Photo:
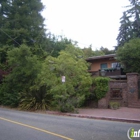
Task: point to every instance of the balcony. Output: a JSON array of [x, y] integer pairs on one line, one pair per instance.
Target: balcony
[[113, 73]]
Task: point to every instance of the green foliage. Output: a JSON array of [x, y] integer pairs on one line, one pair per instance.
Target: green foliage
[[25, 68], [3, 57], [125, 29], [8, 99], [130, 23], [88, 52], [71, 94], [114, 105], [129, 56], [34, 79], [57, 43], [100, 86], [36, 84], [35, 99], [106, 51], [22, 23]]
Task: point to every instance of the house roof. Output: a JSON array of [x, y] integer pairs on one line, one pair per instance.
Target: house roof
[[100, 57]]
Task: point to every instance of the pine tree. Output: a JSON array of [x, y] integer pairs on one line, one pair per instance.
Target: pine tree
[[21, 22], [134, 12], [125, 30], [130, 23], [4, 10]]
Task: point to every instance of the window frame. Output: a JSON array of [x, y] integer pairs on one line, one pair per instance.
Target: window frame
[[103, 66]]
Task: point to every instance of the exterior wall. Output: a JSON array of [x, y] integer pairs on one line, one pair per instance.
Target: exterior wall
[[132, 88], [102, 103], [115, 84], [127, 95], [122, 86], [95, 66]]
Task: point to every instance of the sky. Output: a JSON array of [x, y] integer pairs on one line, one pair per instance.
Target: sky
[[88, 22]]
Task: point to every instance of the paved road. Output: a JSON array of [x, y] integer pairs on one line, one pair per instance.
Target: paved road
[[18, 125]]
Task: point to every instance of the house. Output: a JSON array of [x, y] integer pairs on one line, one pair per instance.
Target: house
[[106, 65], [123, 87]]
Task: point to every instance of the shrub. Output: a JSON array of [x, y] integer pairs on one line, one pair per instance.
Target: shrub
[[9, 99], [114, 105], [35, 99], [100, 86]]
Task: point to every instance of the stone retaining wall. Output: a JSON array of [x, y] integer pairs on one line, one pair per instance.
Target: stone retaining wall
[[123, 91]]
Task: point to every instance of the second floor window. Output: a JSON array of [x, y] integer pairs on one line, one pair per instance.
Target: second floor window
[[103, 66], [115, 65]]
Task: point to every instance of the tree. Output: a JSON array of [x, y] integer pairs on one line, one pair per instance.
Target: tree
[[107, 51], [88, 52], [3, 57], [130, 23], [68, 95], [57, 43], [125, 30], [22, 23], [129, 55], [24, 70]]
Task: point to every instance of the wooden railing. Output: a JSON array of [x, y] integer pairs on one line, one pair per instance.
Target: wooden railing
[[113, 72]]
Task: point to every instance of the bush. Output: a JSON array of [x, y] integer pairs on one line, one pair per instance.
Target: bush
[[114, 105], [67, 108], [100, 86], [35, 99], [9, 99]]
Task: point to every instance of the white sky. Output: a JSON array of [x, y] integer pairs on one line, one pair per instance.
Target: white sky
[[93, 22]]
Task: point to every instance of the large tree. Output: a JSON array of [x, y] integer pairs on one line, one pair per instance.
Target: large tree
[[24, 70], [106, 51], [129, 55], [57, 43], [130, 23], [72, 92], [125, 30], [21, 22], [68, 94]]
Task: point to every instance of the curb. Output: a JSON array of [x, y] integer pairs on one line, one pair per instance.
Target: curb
[[107, 118], [95, 117]]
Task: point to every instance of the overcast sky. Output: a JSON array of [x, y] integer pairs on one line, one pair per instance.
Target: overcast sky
[[93, 22]]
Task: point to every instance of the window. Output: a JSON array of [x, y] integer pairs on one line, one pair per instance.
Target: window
[[115, 65], [104, 65]]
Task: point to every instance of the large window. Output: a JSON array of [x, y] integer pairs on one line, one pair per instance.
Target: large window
[[104, 66], [115, 65]]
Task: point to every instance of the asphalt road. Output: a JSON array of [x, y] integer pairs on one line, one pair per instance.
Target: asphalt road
[[19, 125]]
